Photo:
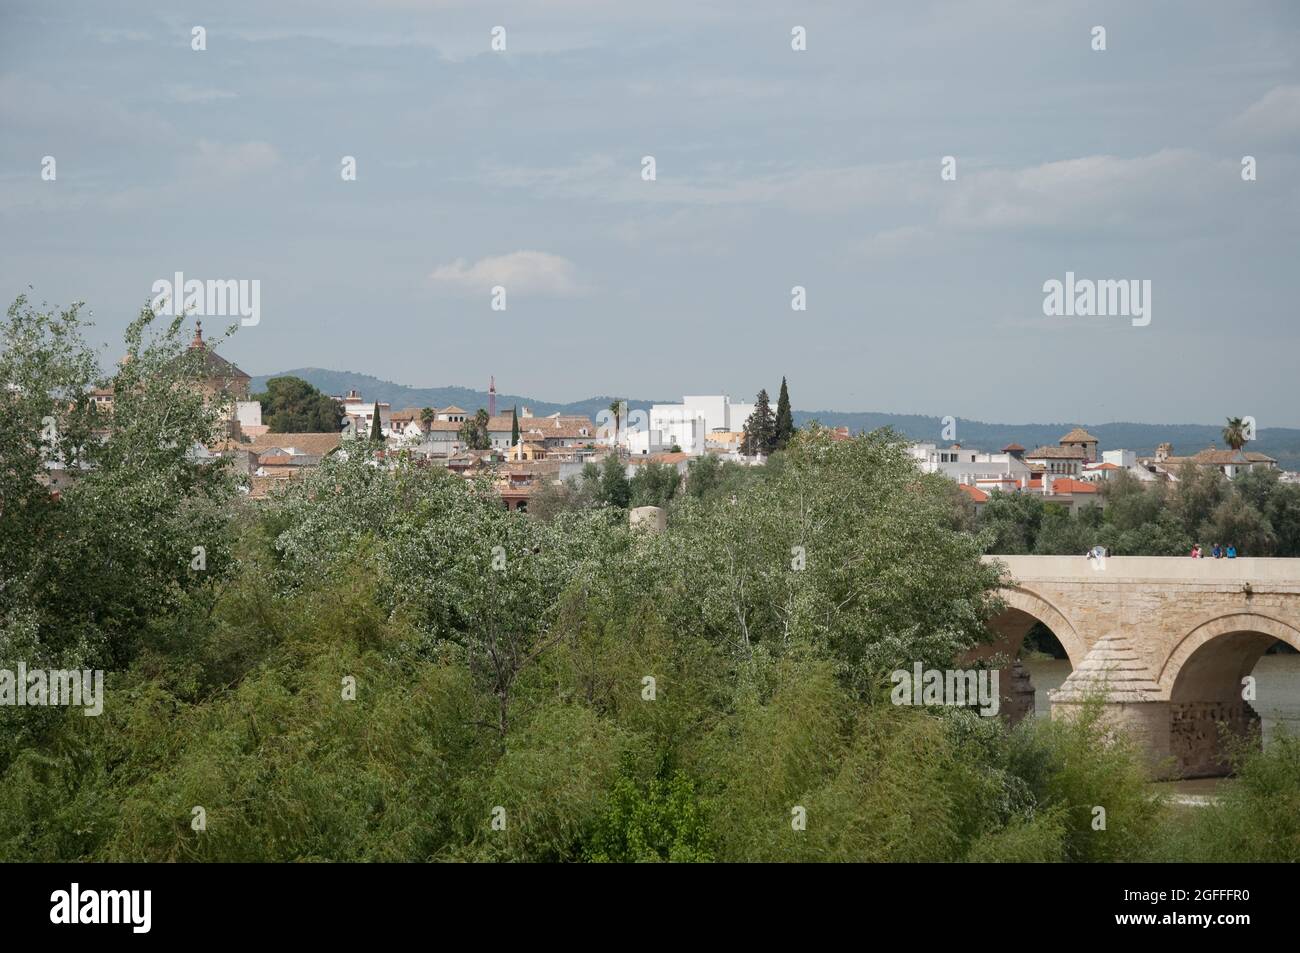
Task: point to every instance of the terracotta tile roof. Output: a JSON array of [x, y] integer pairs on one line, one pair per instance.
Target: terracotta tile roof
[[1063, 485], [670, 458], [312, 443], [565, 428], [1078, 435], [1102, 466], [1056, 453], [1012, 446], [1215, 457], [976, 494]]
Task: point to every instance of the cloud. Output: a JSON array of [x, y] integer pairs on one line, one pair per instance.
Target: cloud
[[40, 109], [192, 94], [1275, 116], [211, 168], [217, 160], [112, 35], [526, 272], [1086, 192], [895, 241], [601, 177]]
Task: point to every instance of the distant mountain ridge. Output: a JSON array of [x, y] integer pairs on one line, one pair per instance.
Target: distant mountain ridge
[[401, 396], [1282, 443]]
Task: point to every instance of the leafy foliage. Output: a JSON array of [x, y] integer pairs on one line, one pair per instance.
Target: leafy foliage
[[291, 405], [1255, 511]]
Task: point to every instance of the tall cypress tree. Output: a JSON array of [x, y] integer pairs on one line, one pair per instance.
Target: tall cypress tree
[[376, 428], [514, 427], [784, 419]]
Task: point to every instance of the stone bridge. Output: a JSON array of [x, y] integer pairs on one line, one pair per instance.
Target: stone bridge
[[1166, 641]]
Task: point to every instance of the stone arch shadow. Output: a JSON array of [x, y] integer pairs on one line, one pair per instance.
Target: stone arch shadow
[[1023, 609], [1230, 624], [1201, 680]]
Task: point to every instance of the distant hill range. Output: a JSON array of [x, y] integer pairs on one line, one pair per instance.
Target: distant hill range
[[1280, 442]]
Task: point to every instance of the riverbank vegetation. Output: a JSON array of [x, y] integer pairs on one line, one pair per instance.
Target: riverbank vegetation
[[382, 663]]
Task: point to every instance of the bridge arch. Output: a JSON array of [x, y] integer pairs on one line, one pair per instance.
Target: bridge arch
[[1264, 629], [1023, 608], [1202, 681]]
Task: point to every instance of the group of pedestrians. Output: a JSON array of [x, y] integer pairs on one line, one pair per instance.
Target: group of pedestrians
[[1217, 551]]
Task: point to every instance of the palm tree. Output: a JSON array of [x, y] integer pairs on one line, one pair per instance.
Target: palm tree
[[616, 408], [426, 417], [1234, 435]]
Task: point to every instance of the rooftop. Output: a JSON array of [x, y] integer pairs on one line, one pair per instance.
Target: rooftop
[[1078, 435]]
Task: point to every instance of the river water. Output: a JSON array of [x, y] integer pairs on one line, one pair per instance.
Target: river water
[[1277, 688]]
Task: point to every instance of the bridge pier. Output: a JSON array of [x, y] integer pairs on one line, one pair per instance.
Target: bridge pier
[[1113, 676], [1196, 738]]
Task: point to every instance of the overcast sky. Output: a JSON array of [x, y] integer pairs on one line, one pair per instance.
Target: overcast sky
[[775, 168]]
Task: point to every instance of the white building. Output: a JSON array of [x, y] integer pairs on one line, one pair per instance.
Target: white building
[[362, 414], [969, 466], [689, 424]]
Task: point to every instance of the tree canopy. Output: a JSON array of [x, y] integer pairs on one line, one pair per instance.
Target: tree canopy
[[291, 405]]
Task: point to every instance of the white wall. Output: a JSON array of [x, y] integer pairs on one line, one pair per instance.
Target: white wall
[[249, 413], [737, 414], [969, 464]]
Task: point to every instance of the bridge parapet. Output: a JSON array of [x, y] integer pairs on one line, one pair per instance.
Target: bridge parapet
[[1257, 570]]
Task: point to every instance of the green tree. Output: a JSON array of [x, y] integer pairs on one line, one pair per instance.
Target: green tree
[[615, 489], [1062, 534], [376, 427], [703, 474], [474, 431], [1235, 522], [86, 581], [1010, 522], [654, 484], [662, 820], [514, 427], [1283, 514], [1197, 494], [760, 428], [427, 416], [784, 418], [292, 405]]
